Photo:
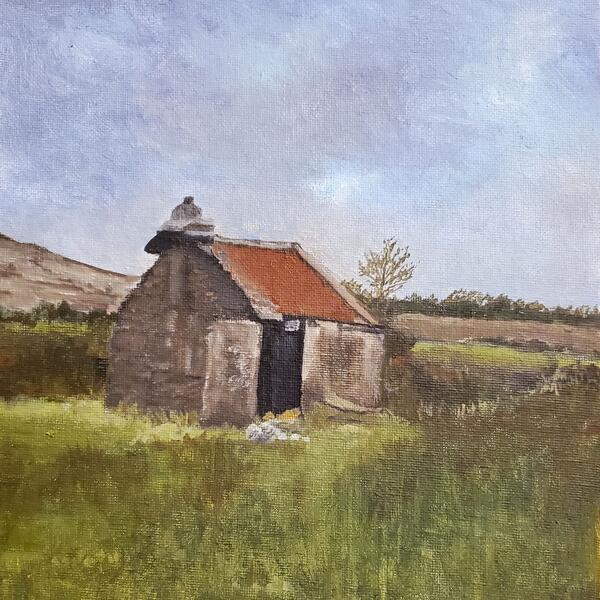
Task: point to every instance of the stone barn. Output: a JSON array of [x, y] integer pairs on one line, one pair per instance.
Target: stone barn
[[231, 329]]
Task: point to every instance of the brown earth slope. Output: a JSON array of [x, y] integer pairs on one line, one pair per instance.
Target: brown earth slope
[[578, 338], [30, 274]]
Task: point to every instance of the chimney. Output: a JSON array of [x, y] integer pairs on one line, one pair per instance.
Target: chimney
[[185, 225]]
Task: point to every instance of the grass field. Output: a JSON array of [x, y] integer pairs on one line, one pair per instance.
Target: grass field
[[103, 505], [495, 356], [580, 339], [46, 328]]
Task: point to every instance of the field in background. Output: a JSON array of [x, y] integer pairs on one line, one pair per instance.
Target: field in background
[[98, 504], [450, 377], [579, 338], [465, 355]]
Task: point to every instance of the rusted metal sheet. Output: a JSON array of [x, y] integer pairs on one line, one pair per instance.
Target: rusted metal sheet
[[280, 275]]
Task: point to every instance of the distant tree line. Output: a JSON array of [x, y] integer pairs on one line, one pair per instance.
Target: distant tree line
[[473, 304], [382, 273], [48, 313]]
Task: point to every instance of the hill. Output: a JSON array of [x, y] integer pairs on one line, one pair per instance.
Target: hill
[[30, 274]]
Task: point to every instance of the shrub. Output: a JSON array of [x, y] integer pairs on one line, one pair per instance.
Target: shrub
[[57, 358], [399, 342]]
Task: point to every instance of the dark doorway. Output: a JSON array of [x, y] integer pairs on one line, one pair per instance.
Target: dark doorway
[[280, 373]]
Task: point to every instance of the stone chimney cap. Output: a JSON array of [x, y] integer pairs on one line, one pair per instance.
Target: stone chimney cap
[[187, 217]]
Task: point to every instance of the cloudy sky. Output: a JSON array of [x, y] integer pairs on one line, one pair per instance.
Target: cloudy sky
[[471, 130]]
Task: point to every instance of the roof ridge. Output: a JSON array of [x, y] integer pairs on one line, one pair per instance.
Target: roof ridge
[[332, 280], [257, 243]]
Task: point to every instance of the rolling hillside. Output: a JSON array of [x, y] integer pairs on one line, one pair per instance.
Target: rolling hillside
[[30, 274]]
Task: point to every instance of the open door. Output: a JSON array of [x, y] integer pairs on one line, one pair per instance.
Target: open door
[[280, 372]]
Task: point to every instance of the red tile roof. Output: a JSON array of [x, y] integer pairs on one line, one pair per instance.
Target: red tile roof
[[281, 276]]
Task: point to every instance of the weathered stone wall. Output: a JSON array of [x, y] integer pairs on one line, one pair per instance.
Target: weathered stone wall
[[159, 351], [342, 365]]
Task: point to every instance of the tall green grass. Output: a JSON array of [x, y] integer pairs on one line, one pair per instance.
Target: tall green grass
[[95, 504], [45, 327]]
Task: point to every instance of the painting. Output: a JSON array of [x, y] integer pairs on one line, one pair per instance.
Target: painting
[[299, 300]]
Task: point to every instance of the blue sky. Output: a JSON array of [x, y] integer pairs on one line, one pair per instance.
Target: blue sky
[[471, 130]]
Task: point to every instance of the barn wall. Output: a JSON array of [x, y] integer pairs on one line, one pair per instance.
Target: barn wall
[[232, 372], [159, 348], [342, 365]]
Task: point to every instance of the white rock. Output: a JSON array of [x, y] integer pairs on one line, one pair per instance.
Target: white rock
[[254, 433], [267, 432]]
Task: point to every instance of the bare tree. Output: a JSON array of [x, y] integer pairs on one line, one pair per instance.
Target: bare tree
[[384, 271]]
